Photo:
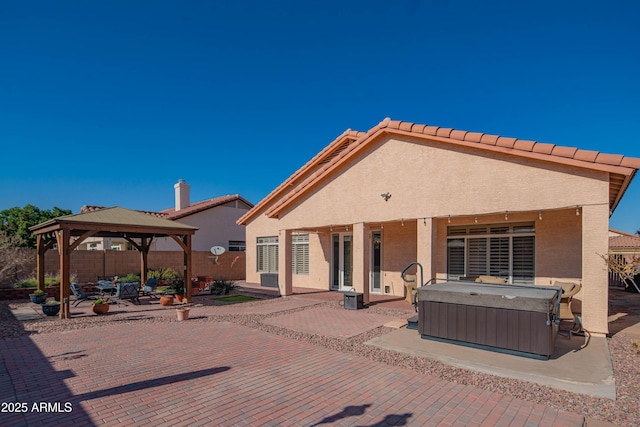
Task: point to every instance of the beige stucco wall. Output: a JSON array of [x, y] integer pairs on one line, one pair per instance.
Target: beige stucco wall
[[428, 184], [431, 181], [215, 228]]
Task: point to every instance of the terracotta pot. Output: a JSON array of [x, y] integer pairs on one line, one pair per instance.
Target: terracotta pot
[[195, 291], [101, 308], [183, 313], [166, 300], [179, 297]]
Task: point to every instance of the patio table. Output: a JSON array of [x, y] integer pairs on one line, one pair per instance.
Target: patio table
[[106, 287]]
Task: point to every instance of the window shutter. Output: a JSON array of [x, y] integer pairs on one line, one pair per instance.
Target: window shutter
[[523, 258], [499, 257], [477, 257], [455, 258]]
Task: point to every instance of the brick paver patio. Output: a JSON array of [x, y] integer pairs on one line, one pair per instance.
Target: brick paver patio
[[329, 321], [204, 372]]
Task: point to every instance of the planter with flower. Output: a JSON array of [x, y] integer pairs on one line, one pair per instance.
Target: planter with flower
[[100, 306], [51, 308], [38, 296]]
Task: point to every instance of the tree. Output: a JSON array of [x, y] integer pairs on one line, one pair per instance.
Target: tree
[[13, 258], [626, 269], [15, 222]]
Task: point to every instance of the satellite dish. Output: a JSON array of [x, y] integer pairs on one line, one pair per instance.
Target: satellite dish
[[217, 250]]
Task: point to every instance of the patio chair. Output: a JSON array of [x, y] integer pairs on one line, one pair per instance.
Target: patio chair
[[149, 288], [81, 295], [126, 291], [569, 289]]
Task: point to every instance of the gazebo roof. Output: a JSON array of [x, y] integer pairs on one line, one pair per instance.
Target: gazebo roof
[[114, 221]]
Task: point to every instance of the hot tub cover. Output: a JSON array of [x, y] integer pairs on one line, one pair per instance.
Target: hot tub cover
[[513, 297]]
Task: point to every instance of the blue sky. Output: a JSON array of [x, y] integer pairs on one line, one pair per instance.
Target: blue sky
[[110, 103]]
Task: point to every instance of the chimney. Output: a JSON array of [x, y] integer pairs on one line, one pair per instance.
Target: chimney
[[182, 194]]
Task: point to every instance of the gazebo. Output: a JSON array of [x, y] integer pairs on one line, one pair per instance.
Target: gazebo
[[138, 228]]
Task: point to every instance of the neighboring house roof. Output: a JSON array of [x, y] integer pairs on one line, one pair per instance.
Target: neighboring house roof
[[621, 169], [204, 205], [172, 214], [623, 240]]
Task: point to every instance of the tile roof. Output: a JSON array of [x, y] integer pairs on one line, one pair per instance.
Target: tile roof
[[621, 168], [623, 240], [196, 207], [172, 214]]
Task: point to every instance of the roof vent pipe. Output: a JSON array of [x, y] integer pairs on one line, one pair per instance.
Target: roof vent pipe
[[182, 194]]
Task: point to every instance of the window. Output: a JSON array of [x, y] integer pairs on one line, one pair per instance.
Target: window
[[506, 251], [300, 253], [237, 246], [115, 247], [267, 254]]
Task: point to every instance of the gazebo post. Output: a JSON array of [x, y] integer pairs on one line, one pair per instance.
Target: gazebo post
[[187, 267], [40, 250], [144, 260], [65, 271]]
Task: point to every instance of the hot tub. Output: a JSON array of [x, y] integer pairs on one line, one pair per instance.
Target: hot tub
[[508, 318]]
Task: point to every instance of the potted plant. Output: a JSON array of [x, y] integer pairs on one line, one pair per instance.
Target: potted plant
[[51, 308], [166, 300], [178, 286], [100, 306], [38, 296]]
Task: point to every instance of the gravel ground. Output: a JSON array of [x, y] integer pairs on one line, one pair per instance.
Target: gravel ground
[[624, 411]]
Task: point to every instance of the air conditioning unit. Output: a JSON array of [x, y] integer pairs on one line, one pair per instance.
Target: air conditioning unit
[[269, 280]]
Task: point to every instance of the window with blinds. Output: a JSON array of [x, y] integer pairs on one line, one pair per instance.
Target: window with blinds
[[267, 254], [237, 245], [506, 251], [300, 253]]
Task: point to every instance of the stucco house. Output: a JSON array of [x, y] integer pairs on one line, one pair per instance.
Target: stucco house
[[215, 219], [459, 203]]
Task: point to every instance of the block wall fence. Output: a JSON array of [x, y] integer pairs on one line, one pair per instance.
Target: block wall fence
[[89, 265]]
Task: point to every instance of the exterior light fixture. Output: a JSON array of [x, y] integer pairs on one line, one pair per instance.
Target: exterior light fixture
[[506, 215], [386, 196], [540, 215], [476, 219], [449, 219], [577, 211]]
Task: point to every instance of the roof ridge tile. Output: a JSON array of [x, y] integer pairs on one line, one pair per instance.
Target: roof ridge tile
[[586, 155], [507, 142]]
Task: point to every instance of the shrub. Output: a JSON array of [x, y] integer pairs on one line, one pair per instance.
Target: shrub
[[162, 273], [38, 292], [129, 278], [222, 286], [32, 282]]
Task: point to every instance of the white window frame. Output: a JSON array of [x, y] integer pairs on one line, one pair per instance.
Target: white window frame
[[300, 254], [267, 254], [484, 248]]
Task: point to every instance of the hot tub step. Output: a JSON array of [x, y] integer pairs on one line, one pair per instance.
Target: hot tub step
[[412, 322]]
